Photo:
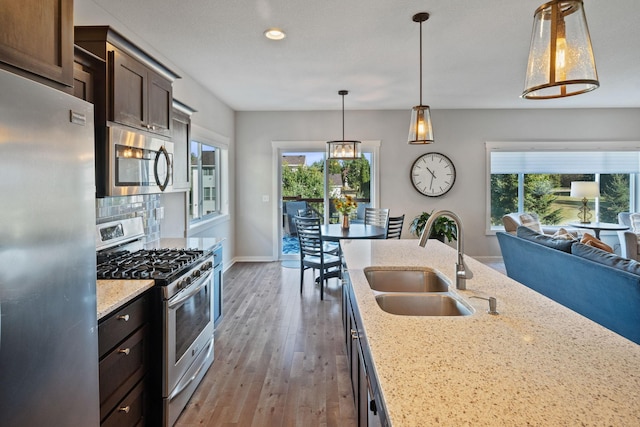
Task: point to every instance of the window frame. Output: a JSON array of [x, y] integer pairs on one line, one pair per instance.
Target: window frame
[[207, 137], [554, 146]]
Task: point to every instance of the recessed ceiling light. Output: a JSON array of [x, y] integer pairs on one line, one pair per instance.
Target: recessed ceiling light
[[274, 34]]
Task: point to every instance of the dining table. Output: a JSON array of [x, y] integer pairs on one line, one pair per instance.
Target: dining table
[[597, 227], [335, 232]]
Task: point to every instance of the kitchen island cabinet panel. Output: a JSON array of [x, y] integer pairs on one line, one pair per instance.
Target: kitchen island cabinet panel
[[36, 40], [535, 363]]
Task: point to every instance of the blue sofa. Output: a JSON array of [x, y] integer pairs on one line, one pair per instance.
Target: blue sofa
[[600, 286]]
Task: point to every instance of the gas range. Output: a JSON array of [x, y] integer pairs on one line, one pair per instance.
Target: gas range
[[120, 256], [157, 264]]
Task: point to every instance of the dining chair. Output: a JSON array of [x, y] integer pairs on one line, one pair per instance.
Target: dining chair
[[376, 216], [312, 253], [394, 230], [330, 247]]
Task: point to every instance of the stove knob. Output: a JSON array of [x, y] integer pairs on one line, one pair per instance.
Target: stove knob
[[186, 282], [196, 274]]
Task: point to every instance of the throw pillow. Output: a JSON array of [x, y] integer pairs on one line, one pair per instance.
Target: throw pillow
[[602, 257], [548, 241], [563, 234], [530, 221], [589, 240]]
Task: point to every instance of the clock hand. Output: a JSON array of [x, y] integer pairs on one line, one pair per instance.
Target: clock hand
[[433, 175]]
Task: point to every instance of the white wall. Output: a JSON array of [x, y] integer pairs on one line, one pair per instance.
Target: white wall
[[460, 134]]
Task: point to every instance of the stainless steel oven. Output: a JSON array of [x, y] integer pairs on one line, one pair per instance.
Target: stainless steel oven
[[131, 163], [188, 336]]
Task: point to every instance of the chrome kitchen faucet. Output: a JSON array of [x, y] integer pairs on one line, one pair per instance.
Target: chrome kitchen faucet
[[462, 271]]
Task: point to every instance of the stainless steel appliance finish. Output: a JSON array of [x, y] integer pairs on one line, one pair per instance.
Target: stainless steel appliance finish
[[188, 336], [185, 280], [48, 333], [130, 163]]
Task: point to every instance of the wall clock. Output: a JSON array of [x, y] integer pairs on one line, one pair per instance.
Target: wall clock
[[433, 174]]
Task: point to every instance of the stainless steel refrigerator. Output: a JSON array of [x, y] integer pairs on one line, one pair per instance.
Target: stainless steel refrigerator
[[48, 326]]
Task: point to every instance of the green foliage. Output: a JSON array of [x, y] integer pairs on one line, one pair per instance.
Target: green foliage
[[539, 196], [614, 190], [504, 196], [443, 227], [304, 181]]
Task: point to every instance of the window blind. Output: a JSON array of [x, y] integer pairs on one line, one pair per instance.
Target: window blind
[[569, 162]]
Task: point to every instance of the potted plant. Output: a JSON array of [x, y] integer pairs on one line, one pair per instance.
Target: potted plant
[[443, 227]]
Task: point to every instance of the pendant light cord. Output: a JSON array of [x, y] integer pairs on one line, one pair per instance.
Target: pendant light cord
[[420, 62]]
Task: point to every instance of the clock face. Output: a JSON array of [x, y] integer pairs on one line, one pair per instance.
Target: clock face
[[433, 174]]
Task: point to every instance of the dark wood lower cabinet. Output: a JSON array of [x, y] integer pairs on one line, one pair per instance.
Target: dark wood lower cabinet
[[368, 406], [127, 387]]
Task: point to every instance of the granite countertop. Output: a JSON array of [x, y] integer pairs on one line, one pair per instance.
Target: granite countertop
[[536, 363], [112, 294]]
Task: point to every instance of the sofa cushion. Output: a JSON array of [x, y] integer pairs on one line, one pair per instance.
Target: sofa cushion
[[530, 221], [606, 258], [589, 240], [563, 234], [529, 234]]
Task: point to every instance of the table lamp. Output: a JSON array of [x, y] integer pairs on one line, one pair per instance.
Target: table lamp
[[586, 190]]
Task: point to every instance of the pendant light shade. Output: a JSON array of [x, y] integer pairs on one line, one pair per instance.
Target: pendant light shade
[[343, 149], [561, 61], [420, 129]]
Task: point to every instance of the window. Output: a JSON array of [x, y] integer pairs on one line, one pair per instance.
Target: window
[[204, 199], [539, 179]]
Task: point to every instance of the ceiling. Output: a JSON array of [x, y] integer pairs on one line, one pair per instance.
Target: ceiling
[[474, 52]]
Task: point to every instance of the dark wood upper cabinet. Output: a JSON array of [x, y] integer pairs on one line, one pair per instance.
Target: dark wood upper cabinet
[[137, 88], [181, 141], [36, 40]]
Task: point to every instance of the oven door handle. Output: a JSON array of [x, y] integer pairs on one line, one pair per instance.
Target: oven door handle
[[173, 303], [185, 383]]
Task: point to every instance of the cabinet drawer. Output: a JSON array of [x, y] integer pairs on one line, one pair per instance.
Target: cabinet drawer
[[122, 368], [130, 411], [122, 323]]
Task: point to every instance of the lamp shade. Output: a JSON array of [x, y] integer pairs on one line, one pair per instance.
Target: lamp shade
[[346, 150], [343, 149], [585, 189], [561, 61], [420, 129]]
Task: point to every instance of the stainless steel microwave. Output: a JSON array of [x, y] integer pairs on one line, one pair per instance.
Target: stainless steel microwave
[[134, 163]]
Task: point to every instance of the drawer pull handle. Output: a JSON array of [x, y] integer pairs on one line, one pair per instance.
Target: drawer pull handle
[[354, 334], [124, 351], [124, 409], [124, 317]]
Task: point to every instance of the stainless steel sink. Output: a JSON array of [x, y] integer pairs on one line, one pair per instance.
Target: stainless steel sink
[[422, 304], [405, 279]]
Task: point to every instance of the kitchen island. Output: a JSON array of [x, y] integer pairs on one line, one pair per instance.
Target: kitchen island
[[536, 363]]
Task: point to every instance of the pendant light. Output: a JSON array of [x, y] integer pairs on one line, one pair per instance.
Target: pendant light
[[561, 60], [343, 149], [420, 129]]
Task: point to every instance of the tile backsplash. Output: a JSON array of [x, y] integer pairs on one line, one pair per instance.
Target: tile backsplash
[[145, 206]]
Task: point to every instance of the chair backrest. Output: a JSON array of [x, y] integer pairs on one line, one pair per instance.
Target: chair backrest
[[394, 230], [309, 212], [376, 216], [309, 236]]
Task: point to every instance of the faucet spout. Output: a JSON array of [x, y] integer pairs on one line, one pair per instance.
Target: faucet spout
[[462, 271]]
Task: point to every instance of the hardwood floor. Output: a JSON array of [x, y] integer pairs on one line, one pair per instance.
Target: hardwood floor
[[279, 355]]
